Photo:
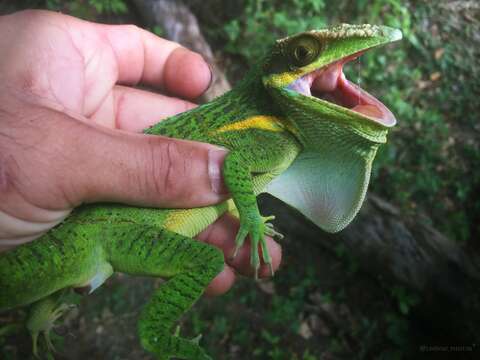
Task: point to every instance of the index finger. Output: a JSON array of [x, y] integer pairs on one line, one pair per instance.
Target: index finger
[[143, 57]]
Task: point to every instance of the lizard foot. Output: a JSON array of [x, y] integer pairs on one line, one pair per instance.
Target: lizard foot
[[43, 315], [195, 340], [189, 349], [178, 347], [257, 231]]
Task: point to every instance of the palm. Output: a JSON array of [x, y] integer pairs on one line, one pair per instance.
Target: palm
[[76, 70], [83, 69]]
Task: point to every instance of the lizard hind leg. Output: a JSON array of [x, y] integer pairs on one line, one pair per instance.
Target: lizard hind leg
[[189, 265], [169, 303]]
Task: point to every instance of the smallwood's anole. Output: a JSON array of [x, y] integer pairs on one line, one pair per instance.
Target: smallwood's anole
[[295, 127]]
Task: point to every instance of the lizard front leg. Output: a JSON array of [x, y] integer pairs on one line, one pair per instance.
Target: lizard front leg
[[237, 171]]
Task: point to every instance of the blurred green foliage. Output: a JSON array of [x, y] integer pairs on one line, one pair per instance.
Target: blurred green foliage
[[263, 22], [86, 9], [83, 8]]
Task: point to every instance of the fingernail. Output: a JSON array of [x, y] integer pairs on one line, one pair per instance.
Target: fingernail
[[210, 68], [215, 164]]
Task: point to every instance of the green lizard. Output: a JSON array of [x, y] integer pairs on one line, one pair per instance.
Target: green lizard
[[295, 127]]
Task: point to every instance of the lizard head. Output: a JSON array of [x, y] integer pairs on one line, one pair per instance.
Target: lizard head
[[339, 125], [307, 70]]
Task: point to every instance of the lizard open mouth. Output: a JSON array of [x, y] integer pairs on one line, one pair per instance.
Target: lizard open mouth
[[330, 84]]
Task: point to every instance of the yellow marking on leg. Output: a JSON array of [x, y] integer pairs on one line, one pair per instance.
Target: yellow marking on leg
[[189, 222]]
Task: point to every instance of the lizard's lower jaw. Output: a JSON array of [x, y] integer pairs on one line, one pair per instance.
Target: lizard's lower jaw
[[330, 84]]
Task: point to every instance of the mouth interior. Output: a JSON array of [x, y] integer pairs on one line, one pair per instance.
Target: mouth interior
[[330, 84]]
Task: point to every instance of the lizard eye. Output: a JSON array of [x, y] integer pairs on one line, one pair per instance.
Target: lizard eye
[[303, 50]]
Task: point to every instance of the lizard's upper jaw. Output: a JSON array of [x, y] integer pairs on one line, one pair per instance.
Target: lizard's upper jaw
[[330, 84]]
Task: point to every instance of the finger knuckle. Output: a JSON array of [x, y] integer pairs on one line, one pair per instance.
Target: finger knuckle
[[131, 28], [167, 170], [7, 173]]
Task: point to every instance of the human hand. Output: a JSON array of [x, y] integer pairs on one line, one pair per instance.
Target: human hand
[[68, 118]]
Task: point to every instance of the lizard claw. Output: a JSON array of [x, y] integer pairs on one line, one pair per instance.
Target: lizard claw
[[270, 231], [196, 339], [177, 331], [270, 266]]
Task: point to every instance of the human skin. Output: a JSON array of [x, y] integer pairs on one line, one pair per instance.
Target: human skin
[[70, 115]]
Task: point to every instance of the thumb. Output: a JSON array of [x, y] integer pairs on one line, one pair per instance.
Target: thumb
[[143, 169]]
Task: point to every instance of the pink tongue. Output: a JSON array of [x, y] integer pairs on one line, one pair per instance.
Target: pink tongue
[[327, 81], [368, 110]]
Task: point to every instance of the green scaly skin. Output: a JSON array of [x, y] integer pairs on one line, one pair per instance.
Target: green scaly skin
[[265, 127]]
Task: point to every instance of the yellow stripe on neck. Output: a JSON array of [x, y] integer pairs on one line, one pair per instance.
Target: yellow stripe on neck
[[262, 122]]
